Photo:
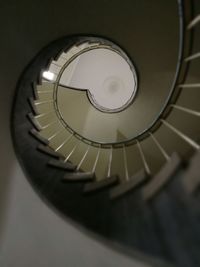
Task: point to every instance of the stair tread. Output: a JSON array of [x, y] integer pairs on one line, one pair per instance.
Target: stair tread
[[100, 185], [40, 138], [34, 122], [78, 176], [32, 104], [61, 164], [49, 151], [127, 186], [35, 92], [161, 178]]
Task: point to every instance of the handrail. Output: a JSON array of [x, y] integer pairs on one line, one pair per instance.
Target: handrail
[[165, 110]]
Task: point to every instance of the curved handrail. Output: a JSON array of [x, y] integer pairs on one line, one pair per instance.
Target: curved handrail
[[166, 108]]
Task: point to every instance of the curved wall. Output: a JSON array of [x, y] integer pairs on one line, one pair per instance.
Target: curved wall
[[31, 234]]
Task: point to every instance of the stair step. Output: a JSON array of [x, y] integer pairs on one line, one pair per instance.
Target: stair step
[[34, 122], [49, 151], [78, 177], [35, 92], [100, 185], [40, 138], [32, 104], [61, 164], [191, 176], [127, 186], [161, 178]]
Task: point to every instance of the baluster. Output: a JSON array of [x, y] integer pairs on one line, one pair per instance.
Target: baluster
[[103, 183], [43, 102], [187, 110], [83, 158], [181, 135], [130, 183], [146, 167], [190, 85], [194, 22], [125, 163], [55, 134], [192, 57], [110, 162], [163, 175], [43, 114], [51, 123], [163, 152], [96, 160], [72, 151], [65, 142]]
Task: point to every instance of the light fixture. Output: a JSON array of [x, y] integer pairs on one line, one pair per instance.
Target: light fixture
[[48, 75]]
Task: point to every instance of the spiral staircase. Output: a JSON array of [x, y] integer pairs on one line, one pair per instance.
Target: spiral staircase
[[131, 175]]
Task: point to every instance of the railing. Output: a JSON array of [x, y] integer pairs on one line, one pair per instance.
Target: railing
[[184, 36], [184, 58]]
